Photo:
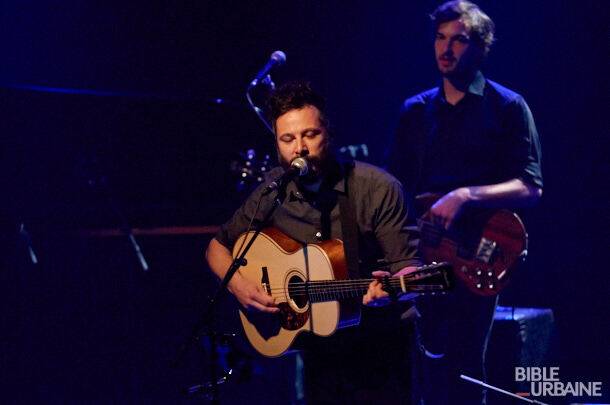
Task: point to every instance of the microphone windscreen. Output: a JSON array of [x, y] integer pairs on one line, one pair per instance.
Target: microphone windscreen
[[300, 164], [279, 57]]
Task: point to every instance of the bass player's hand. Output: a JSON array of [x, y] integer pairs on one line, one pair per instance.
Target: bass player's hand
[[448, 208]]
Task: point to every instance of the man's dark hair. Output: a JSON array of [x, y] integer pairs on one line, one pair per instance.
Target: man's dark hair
[[481, 27], [293, 96]]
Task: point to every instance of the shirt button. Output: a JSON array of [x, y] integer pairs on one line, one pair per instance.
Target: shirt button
[[318, 235]]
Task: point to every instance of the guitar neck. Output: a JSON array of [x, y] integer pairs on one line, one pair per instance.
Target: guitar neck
[[337, 290]]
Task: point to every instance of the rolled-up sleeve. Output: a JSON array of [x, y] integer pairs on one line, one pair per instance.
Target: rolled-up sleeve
[[524, 149]]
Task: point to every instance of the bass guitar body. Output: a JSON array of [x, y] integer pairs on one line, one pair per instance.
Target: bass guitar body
[[483, 245]]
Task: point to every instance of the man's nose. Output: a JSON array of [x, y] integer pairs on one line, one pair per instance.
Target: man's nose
[[449, 48], [301, 149]]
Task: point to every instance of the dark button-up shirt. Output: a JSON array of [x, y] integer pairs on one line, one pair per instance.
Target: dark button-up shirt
[[378, 202], [488, 137]]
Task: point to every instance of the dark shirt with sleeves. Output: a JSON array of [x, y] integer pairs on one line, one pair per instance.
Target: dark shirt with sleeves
[[488, 137], [379, 206], [337, 369]]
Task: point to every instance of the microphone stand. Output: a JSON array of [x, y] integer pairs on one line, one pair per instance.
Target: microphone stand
[[210, 389], [95, 177], [259, 111], [207, 322], [125, 226]]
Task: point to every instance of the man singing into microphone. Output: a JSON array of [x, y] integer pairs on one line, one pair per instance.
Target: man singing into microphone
[[368, 363]]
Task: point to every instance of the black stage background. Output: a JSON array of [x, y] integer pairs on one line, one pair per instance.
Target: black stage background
[[98, 93]]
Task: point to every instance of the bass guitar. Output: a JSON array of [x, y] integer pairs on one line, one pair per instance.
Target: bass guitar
[[483, 245]]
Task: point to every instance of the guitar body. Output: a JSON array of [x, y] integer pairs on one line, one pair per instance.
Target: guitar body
[[484, 246], [281, 265]]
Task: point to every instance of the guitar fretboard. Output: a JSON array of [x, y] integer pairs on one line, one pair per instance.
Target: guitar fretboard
[[337, 290]]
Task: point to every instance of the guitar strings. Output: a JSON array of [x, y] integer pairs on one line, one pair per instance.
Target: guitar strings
[[337, 289], [326, 284], [336, 297], [328, 294], [395, 280], [293, 293], [326, 288], [343, 289]]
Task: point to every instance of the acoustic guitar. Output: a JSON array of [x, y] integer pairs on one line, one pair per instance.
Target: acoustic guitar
[[483, 245], [311, 287]]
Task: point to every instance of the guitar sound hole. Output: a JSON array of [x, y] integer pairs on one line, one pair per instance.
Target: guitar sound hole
[[297, 292]]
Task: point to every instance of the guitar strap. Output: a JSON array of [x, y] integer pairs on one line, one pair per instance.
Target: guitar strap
[[349, 226]]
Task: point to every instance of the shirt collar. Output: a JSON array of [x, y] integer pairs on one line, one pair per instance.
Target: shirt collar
[[476, 87], [340, 178], [478, 84], [340, 172], [293, 192]]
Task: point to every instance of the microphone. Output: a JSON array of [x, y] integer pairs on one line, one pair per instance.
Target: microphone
[[278, 58], [298, 167]]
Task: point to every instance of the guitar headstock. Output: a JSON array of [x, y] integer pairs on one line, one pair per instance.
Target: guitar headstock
[[434, 278]]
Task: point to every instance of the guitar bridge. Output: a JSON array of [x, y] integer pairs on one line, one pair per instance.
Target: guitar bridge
[[265, 280]]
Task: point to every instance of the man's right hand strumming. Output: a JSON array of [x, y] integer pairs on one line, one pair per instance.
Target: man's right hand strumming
[[251, 295]]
